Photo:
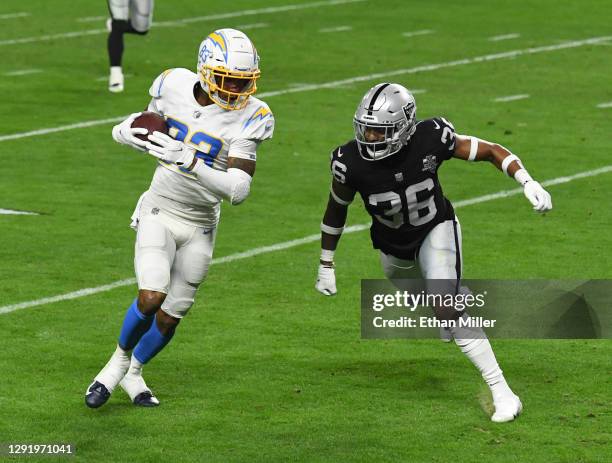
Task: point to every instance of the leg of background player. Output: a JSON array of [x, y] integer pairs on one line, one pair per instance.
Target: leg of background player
[[128, 17], [115, 52]]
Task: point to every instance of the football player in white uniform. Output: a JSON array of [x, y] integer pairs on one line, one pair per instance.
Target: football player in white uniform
[[215, 126], [393, 163], [127, 17]]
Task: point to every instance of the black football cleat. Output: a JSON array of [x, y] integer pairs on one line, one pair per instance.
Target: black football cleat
[[96, 395], [146, 399]]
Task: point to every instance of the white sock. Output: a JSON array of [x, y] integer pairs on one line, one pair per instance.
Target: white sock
[[116, 72], [115, 369], [135, 367], [474, 344]]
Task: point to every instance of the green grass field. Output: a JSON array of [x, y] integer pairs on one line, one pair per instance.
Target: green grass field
[[265, 368]]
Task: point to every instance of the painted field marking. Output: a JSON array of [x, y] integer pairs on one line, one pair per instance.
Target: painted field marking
[[504, 99], [13, 212], [293, 243], [415, 33], [605, 105], [244, 27], [89, 19], [336, 29], [497, 38], [43, 38], [78, 125], [22, 72], [14, 15], [99, 79], [234, 14], [339, 83]]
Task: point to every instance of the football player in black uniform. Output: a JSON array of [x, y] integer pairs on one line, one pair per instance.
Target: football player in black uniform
[[127, 17], [393, 163]]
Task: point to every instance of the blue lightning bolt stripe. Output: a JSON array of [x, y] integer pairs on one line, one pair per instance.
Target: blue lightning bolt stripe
[[260, 114], [219, 40]]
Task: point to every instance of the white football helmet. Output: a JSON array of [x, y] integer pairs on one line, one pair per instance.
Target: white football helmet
[[388, 109], [228, 54]]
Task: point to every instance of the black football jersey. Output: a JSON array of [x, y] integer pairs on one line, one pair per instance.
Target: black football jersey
[[402, 192]]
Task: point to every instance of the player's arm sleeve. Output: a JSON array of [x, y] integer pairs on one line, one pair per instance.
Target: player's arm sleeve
[[157, 90], [341, 195], [444, 135], [244, 148], [233, 185]]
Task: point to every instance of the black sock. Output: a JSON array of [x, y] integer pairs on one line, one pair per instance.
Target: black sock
[[115, 41]]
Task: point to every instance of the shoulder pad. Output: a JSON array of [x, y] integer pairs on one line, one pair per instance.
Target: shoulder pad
[[340, 161], [167, 79], [442, 134], [259, 123]]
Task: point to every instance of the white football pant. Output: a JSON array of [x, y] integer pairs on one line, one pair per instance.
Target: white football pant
[[171, 257], [439, 256]]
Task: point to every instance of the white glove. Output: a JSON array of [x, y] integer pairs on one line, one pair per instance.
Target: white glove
[[326, 280], [538, 196], [168, 149], [124, 133]]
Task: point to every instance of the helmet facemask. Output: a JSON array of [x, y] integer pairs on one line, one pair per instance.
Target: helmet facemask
[[395, 137], [214, 79]]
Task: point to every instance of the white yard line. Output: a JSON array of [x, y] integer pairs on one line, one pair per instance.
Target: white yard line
[[22, 72], [14, 15], [78, 125], [292, 243], [246, 27], [12, 212], [44, 38], [497, 38], [416, 33], [605, 105], [89, 19], [336, 29], [233, 14], [338, 83], [504, 99]]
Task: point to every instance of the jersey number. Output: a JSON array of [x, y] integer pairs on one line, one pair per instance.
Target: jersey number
[[418, 212], [207, 146]]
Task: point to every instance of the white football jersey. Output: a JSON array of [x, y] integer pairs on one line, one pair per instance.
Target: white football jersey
[[215, 132]]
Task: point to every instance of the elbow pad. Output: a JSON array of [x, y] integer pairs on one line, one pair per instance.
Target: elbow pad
[[241, 186]]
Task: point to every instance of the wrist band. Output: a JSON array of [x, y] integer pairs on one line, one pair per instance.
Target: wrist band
[[508, 160], [327, 255], [522, 176]]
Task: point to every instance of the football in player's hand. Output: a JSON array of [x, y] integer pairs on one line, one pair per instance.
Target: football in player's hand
[[151, 121]]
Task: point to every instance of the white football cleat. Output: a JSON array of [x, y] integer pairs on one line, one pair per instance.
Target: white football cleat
[[115, 80], [134, 384], [507, 409]]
